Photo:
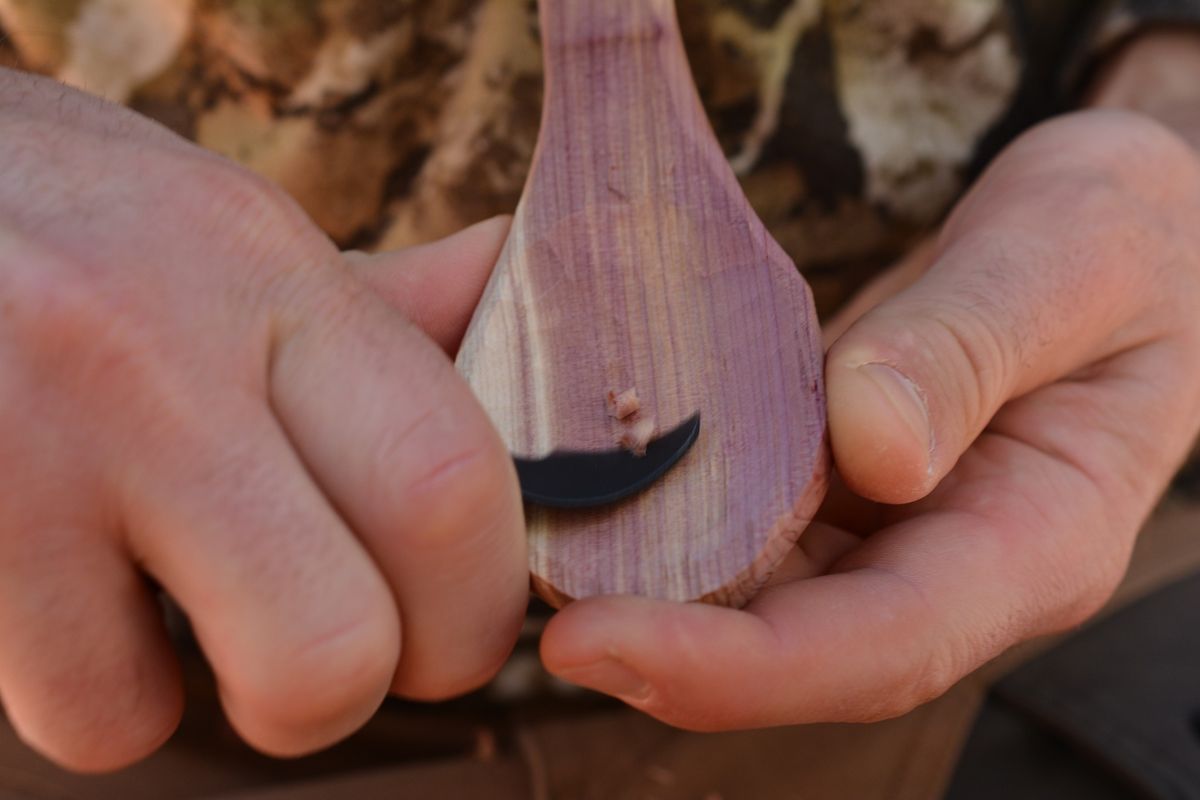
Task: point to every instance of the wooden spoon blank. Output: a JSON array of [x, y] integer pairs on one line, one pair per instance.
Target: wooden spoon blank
[[636, 261]]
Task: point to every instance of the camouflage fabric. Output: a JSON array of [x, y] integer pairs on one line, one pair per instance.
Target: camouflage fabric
[[853, 124]]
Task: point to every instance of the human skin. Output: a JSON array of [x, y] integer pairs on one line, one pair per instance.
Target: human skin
[[1005, 408], [196, 386]]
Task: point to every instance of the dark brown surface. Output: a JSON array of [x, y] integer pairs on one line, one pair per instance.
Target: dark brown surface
[[1110, 714]]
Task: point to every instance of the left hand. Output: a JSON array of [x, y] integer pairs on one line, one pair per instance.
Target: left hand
[[1007, 406]]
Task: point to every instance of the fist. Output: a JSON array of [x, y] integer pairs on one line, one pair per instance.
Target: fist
[[198, 391]]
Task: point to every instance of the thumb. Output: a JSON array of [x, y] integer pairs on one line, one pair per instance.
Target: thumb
[[1036, 275], [437, 285], [916, 379]]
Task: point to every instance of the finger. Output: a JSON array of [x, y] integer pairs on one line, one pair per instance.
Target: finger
[[891, 282], [299, 626], [402, 446], [920, 605], [821, 546], [993, 556], [87, 675], [437, 285], [1031, 281], [708, 668], [1151, 74]]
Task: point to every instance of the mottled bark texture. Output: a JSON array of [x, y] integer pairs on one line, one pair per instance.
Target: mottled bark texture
[[851, 123]]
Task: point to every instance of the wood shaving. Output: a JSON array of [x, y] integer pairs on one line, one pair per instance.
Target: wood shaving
[[638, 435], [622, 405]]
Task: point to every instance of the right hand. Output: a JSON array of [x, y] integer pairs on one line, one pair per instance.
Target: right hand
[[197, 387]]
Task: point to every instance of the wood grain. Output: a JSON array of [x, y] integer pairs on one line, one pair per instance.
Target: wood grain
[[636, 261]]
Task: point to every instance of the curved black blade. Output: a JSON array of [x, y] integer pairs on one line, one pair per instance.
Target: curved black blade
[[567, 479]]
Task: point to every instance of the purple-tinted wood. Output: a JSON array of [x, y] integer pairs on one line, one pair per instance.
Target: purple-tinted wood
[[636, 261]]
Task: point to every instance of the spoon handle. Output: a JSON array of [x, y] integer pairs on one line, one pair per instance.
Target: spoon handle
[[622, 117]]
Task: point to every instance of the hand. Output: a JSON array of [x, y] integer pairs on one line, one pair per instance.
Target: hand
[[196, 386], [1006, 408], [1155, 73]]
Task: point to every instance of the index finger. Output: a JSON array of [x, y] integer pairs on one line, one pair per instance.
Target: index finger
[[1022, 539], [395, 437]]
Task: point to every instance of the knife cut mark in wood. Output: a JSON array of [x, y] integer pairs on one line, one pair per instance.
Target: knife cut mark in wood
[[635, 260]]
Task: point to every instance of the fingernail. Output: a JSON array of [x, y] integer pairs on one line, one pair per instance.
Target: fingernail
[[611, 677], [905, 399]]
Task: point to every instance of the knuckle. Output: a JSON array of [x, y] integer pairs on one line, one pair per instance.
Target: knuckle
[[1103, 177], [982, 357], [317, 683], [451, 680], [244, 211], [442, 665], [99, 724], [887, 708], [1118, 148], [457, 478], [52, 320], [959, 352], [1141, 152], [71, 319], [1090, 595], [353, 664], [454, 481], [113, 746], [1084, 608], [79, 326], [230, 189], [912, 688]]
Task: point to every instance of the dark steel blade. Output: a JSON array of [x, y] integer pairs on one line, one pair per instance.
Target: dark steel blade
[[570, 479]]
